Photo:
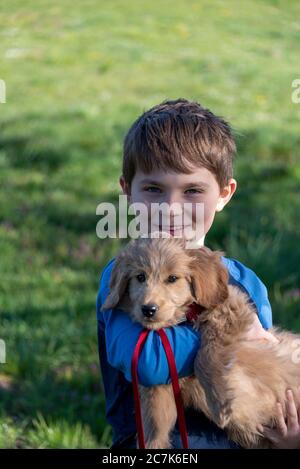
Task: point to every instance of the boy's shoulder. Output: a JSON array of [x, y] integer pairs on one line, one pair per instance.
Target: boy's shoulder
[[104, 279], [248, 281], [243, 274], [106, 271], [239, 270]]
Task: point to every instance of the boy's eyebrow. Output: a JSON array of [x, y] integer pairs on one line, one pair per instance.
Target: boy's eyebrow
[[188, 184]]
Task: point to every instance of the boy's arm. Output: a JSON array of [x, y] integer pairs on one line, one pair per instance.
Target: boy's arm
[[121, 335]]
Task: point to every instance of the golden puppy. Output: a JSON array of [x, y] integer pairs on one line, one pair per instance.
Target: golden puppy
[[237, 382]]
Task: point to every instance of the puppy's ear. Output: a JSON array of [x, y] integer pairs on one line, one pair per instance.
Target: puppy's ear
[[117, 296], [209, 278]]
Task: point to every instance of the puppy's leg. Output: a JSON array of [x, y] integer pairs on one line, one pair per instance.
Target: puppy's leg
[[211, 373], [159, 415]]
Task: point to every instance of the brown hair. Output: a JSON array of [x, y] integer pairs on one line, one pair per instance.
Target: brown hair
[[175, 133]]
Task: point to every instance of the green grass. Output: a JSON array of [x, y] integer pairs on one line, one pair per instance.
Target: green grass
[[77, 75]]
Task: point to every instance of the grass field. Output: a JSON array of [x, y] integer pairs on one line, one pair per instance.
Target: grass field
[[77, 75]]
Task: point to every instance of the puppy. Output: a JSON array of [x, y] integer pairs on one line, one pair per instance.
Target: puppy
[[237, 382]]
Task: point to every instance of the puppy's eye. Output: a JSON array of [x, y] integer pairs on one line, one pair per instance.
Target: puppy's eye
[[141, 278], [172, 278]]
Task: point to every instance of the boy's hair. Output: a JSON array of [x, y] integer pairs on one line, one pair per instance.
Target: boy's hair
[[175, 133]]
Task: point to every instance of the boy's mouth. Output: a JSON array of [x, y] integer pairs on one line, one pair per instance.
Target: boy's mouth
[[173, 228]]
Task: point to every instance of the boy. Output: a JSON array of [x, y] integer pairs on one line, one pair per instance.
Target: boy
[[176, 152]]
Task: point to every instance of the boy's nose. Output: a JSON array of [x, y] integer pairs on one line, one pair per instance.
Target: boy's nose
[[149, 310]]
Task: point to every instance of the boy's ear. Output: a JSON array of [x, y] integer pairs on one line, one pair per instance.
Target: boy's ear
[[209, 278], [118, 296]]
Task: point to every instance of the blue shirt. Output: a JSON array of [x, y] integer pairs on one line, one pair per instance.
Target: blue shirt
[[118, 335]]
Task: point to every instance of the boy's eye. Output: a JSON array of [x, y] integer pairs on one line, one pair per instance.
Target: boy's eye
[[195, 191], [172, 278], [152, 189], [141, 278]]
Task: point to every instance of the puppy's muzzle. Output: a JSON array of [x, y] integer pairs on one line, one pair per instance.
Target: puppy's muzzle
[[149, 310]]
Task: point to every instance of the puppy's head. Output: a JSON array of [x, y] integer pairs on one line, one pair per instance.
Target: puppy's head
[[150, 281], [155, 279]]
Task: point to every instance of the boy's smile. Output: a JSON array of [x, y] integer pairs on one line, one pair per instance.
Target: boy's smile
[[198, 187]]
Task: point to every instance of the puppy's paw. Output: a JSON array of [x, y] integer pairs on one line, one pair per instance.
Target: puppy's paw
[[221, 413], [225, 415]]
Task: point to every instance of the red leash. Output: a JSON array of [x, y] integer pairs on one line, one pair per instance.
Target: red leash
[[193, 311], [176, 388], [137, 403], [175, 385]]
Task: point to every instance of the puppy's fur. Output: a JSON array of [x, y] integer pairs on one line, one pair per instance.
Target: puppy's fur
[[237, 382]]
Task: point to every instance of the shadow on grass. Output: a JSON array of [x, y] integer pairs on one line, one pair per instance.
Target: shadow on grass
[[57, 396], [23, 152], [53, 370]]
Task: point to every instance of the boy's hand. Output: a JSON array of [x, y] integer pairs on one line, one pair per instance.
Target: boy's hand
[[286, 435], [257, 331]]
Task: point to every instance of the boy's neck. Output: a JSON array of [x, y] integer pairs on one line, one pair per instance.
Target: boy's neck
[[199, 242]]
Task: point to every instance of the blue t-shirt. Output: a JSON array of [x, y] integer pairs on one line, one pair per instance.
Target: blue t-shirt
[[118, 335]]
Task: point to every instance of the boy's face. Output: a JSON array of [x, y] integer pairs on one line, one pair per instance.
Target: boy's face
[[200, 186]]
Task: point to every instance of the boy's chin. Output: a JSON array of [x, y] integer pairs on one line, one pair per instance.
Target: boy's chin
[[187, 234], [167, 233]]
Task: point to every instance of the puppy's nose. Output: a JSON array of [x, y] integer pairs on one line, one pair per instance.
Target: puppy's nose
[[149, 310]]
